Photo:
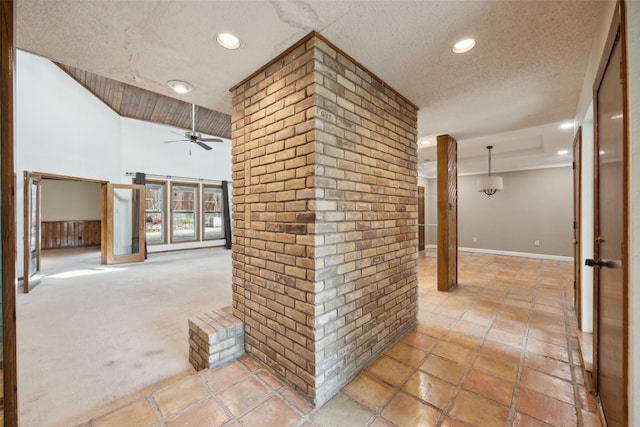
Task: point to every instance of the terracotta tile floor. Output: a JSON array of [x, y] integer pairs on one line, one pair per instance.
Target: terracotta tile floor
[[500, 350]]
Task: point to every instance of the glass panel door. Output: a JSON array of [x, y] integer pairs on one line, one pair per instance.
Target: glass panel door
[[212, 207], [184, 202], [123, 223], [31, 232], [155, 207]]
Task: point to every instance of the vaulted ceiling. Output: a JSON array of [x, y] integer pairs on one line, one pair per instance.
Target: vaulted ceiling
[[512, 91], [137, 103]]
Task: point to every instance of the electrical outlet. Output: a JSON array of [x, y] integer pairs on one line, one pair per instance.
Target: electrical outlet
[[475, 240], [536, 242]]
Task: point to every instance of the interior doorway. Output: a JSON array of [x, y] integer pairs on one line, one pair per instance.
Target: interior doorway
[[60, 212]]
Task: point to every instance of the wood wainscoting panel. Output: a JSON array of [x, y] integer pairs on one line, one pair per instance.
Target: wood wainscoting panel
[[70, 234]]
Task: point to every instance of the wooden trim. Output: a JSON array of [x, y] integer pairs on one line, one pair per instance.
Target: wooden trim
[[8, 184], [614, 32], [421, 218], [202, 227], [315, 34], [107, 249], [577, 225], [165, 225], [227, 215], [44, 175], [26, 229], [104, 224], [596, 284], [625, 205]]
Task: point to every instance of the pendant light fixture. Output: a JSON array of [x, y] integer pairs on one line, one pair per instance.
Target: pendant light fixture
[[489, 184]]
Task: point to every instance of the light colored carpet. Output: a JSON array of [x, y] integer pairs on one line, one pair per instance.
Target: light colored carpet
[[91, 337]]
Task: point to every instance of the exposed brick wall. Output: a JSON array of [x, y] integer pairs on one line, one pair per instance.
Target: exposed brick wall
[[324, 216]]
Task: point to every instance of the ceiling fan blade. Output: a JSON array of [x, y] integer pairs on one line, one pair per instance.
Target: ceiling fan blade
[[203, 145], [193, 135]]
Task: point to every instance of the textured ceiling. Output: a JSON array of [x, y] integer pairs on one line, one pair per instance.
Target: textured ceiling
[[521, 80]]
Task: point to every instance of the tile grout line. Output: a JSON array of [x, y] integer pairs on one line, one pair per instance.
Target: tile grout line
[[445, 411], [397, 390], [213, 394], [576, 397], [514, 399], [156, 410], [378, 412]]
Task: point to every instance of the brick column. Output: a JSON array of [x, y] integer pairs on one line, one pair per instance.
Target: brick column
[[324, 216]]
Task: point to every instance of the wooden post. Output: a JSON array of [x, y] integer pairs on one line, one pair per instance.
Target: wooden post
[[7, 181], [447, 213]]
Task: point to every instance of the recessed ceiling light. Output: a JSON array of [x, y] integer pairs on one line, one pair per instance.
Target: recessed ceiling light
[[568, 125], [179, 86], [563, 152], [464, 46], [228, 41]]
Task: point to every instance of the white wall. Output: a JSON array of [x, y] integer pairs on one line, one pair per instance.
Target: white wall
[[586, 231], [62, 129], [633, 56], [143, 150], [70, 200]]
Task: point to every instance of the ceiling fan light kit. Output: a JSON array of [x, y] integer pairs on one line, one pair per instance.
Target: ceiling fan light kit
[[489, 184]]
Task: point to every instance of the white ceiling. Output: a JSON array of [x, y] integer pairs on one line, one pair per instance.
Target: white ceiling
[[512, 91]]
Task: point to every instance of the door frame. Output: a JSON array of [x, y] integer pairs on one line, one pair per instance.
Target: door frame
[[617, 30], [421, 218], [8, 218], [577, 225], [27, 229], [25, 208]]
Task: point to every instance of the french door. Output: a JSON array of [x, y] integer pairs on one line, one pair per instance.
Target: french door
[[32, 219], [122, 223]]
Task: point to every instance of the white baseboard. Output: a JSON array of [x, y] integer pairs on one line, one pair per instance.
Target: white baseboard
[[509, 253], [518, 254]]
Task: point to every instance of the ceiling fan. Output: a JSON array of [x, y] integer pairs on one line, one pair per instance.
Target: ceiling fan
[[193, 136]]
